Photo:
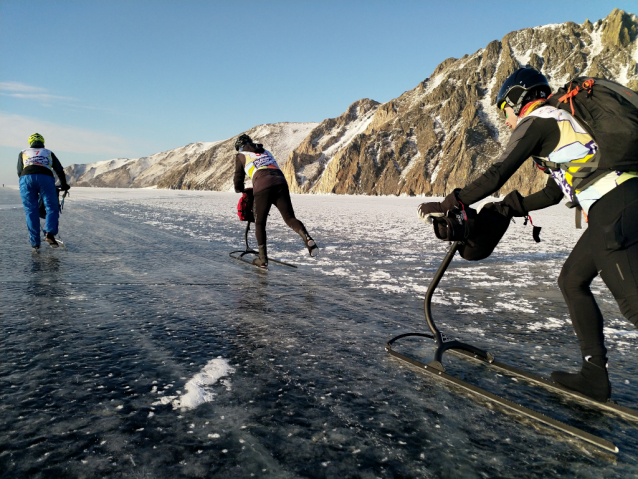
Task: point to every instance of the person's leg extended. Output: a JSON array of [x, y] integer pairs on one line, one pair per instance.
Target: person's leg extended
[[284, 205], [50, 199], [575, 278], [614, 223], [29, 192], [610, 245]]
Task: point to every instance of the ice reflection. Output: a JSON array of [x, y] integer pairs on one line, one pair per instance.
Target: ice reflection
[[99, 341]]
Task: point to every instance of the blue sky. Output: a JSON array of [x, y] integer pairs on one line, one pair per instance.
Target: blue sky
[[108, 79]]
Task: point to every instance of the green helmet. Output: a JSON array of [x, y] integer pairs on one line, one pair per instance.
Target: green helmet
[[36, 137]]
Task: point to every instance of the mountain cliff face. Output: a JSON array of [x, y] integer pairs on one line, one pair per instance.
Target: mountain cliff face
[[445, 132], [200, 166], [308, 161], [439, 136]]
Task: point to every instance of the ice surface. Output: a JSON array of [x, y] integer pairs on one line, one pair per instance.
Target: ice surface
[[283, 373]]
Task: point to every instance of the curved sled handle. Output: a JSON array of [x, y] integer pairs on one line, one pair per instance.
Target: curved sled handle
[[433, 284], [444, 343]]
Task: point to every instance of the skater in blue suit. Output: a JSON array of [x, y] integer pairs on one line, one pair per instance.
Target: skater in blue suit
[[36, 165]]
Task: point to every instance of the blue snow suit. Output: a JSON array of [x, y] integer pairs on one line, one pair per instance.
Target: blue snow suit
[[37, 180]]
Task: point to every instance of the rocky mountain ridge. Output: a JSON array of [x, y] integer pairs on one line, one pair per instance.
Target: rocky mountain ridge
[[137, 172], [436, 137], [199, 166], [445, 132]]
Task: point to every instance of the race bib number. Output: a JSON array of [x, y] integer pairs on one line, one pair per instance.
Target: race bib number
[[37, 157], [264, 161]]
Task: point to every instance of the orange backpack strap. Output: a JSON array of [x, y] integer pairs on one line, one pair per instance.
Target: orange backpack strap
[[569, 95]]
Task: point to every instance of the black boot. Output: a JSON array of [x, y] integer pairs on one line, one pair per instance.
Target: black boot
[[49, 238], [262, 261], [592, 380], [310, 243]]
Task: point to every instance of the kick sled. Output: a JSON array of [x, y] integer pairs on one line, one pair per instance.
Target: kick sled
[[444, 344], [249, 254]]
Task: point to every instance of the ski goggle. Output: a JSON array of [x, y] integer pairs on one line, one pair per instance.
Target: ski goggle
[[503, 105]]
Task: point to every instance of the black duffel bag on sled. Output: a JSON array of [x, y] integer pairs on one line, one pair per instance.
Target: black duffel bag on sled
[[479, 231]]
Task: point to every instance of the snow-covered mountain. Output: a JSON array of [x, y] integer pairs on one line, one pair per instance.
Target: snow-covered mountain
[[213, 169], [203, 165], [436, 137], [445, 132], [86, 172], [138, 172]]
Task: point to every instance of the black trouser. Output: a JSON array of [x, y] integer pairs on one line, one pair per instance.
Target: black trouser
[[279, 196], [608, 247]]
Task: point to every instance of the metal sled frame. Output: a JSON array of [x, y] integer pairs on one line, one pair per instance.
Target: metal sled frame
[[239, 254], [435, 368]]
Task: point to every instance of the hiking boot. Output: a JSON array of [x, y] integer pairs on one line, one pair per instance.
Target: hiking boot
[[49, 238], [310, 244], [262, 261], [592, 380]]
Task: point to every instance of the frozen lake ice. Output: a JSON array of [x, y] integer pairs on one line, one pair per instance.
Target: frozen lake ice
[[145, 351]]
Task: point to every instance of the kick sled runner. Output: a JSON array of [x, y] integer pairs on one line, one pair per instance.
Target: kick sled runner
[[245, 213], [443, 344], [247, 255]]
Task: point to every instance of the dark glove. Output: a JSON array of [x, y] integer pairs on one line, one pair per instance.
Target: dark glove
[[512, 205], [65, 187], [428, 211]]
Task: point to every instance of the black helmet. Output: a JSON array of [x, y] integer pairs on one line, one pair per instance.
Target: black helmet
[[243, 139], [521, 87]]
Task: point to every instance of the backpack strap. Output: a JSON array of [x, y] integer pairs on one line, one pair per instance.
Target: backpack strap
[[578, 212], [585, 169], [579, 217], [629, 95]]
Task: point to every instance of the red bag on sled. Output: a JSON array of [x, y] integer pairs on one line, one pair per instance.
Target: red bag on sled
[[245, 206]]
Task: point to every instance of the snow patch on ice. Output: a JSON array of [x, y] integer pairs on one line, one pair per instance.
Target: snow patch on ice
[[514, 307], [620, 333], [197, 388], [550, 323]]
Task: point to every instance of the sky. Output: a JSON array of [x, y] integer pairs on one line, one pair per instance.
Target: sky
[[126, 79]]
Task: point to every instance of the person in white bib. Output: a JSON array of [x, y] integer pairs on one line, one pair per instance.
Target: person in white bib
[[269, 188], [36, 167]]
